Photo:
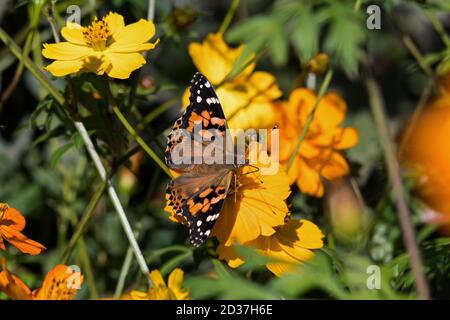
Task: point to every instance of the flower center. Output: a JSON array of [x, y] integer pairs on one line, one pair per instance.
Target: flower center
[[97, 34], [3, 208]]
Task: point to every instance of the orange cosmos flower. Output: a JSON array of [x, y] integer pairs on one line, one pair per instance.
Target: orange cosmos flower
[[160, 290], [290, 245], [12, 222], [319, 155], [247, 99], [61, 283]]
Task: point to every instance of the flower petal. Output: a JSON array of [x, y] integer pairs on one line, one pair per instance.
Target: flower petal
[[115, 22], [20, 241], [14, 219], [122, 64], [228, 254], [12, 286], [215, 59], [65, 51], [174, 283], [132, 35], [308, 180], [73, 33], [60, 283], [157, 278], [333, 166], [62, 68]]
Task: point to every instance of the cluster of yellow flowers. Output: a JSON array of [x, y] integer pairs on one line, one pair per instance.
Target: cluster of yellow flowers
[[259, 216]]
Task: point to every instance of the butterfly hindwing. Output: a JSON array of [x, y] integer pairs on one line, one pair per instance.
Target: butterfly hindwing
[[199, 199]]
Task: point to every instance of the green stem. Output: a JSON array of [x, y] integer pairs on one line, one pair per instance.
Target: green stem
[[35, 71], [229, 16], [357, 6], [34, 15], [322, 90], [80, 229], [133, 132], [155, 113], [87, 268], [409, 235], [438, 27], [415, 52], [123, 273]]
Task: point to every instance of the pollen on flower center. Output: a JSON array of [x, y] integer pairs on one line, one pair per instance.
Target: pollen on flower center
[[97, 34]]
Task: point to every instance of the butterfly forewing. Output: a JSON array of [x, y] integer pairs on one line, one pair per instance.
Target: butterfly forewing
[[199, 192]]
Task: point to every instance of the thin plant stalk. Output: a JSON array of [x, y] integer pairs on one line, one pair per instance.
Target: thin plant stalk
[[322, 90], [229, 16], [133, 132], [409, 235]]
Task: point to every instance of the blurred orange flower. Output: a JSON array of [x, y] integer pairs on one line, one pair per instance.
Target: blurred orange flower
[[161, 291], [12, 222], [290, 245], [247, 98], [319, 155], [425, 153], [60, 283]]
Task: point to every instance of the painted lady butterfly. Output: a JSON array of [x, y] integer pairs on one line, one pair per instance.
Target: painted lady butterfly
[[198, 193]]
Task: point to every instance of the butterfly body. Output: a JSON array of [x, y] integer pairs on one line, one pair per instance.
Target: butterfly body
[[197, 195]]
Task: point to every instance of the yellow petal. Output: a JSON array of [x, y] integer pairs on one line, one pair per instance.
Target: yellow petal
[[122, 64], [228, 254], [132, 35], [65, 51], [73, 33], [157, 278], [61, 68], [115, 22], [134, 48], [96, 64], [175, 281], [215, 59]]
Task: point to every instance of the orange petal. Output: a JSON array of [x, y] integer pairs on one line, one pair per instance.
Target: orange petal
[[14, 219], [20, 241], [12, 286], [309, 180], [334, 166], [61, 283]]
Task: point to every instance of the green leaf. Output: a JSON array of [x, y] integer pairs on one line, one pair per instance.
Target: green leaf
[[59, 153], [305, 35]]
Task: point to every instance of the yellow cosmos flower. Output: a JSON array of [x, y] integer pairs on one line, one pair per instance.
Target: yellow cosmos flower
[[290, 245], [60, 283], [161, 291], [247, 99], [106, 46], [255, 208], [320, 153]]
